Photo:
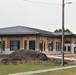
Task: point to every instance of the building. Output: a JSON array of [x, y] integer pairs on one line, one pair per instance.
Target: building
[[19, 37], [69, 42]]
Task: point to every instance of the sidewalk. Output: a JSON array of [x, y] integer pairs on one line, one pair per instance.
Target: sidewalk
[[41, 71], [57, 57]]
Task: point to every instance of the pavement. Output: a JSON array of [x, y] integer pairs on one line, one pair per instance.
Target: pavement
[[59, 57], [42, 71]]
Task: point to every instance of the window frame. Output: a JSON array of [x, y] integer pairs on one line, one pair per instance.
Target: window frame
[[13, 44], [32, 47], [25, 44], [50, 44]]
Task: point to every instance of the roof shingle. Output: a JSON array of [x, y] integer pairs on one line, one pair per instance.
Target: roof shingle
[[21, 30]]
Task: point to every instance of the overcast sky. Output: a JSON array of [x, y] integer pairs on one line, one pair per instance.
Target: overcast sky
[[43, 16]]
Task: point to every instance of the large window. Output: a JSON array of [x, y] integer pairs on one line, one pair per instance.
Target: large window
[[25, 44], [2, 45], [50, 46], [69, 48], [14, 45], [74, 49], [41, 45], [32, 44], [64, 48], [44, 45], [67, 42]]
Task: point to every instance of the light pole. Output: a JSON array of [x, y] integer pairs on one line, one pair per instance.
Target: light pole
[[62, 62], [63, 5]]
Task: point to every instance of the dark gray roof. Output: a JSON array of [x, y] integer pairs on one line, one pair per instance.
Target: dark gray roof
[[17, 30], [21, 30], [65, 34], [43, 32]]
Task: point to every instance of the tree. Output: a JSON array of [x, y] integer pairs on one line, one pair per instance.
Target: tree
[[60, 30]]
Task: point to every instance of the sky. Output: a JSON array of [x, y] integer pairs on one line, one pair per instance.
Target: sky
[[41, 14]]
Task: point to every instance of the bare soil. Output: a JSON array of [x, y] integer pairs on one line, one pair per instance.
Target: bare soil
[[25, 55]]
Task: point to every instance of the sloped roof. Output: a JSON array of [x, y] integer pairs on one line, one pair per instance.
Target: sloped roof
[[65, 34], [21, 30]]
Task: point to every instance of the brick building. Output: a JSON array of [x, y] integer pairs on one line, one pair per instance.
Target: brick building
[[19, 37]]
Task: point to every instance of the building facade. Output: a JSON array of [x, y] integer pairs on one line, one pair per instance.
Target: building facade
[[18, 37]]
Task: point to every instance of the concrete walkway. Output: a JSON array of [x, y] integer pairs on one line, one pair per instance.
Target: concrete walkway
[[57, 57], [42, 71]]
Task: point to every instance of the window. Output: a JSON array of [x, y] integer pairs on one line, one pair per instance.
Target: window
[[50, 46], [41, 45], [32, 44], [44, 45], [25, 44], [67, 42], [3, 46], [0, 44], [64, 48], [68, 48], [14, 45], [74, 49]]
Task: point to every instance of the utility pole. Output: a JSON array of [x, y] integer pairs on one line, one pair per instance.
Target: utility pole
[[63, 5], [62, 63]]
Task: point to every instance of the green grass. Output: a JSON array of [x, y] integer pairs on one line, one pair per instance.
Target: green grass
[[71, 71], [7, 69]]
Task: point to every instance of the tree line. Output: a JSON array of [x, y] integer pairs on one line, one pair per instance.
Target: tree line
[[60, 30]]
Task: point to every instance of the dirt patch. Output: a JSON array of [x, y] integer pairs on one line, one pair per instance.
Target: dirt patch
[[30, 56], [25, 55]]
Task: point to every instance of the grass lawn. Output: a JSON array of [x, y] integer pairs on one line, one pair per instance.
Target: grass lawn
[[71, 71], [7, 69]]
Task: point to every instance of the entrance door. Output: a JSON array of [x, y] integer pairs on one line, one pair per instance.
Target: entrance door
[[32, 44]]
